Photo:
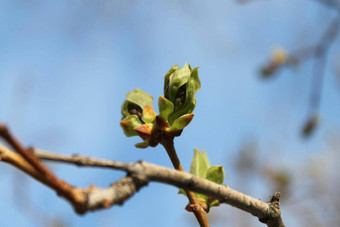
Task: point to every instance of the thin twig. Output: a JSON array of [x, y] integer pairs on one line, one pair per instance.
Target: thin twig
[[318, 52], [79, 160], [12, 141], [41, 172], [320, 62]]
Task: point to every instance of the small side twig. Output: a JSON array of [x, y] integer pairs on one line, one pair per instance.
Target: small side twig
[[37, 169], [320, 51]]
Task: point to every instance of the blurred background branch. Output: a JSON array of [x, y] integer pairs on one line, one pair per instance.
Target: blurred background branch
[[319, 52]]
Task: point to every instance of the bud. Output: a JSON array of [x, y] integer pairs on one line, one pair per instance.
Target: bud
[[279, 56], [175, 108], [180, 87], [311, 124], [138, 116], [135, 102]]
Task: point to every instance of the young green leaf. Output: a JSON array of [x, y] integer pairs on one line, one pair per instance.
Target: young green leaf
[[139, 97], [149, 114], [181, 191], [215, 174], [214, 203], [142, 145], [129, 124], [200, 163], [181, 122], [165, 107], [144, 131]]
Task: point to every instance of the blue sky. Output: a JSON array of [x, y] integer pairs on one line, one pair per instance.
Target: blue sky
[[65, 68]]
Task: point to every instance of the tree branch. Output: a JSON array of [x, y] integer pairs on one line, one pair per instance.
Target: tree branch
[[140, 173]]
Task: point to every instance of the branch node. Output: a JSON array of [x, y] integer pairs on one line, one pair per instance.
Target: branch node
[[273, 217]]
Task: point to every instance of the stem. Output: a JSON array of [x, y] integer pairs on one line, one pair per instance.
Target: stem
[[200, 214]]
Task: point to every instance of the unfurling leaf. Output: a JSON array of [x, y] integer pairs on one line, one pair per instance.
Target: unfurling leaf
[[165, 107], [142, 145], [215, 174], [129, 123], [149, 114], [200, 163], [180, 123], [200, 167], [144, 131]]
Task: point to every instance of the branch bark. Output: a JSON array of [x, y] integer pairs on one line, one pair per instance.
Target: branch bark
[[138, 175]]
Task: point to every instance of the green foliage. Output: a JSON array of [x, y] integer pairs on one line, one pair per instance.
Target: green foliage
[[200, 167], [175, 108]]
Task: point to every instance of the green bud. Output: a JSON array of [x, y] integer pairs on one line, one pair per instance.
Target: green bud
[[180, 87], [138, 116]]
